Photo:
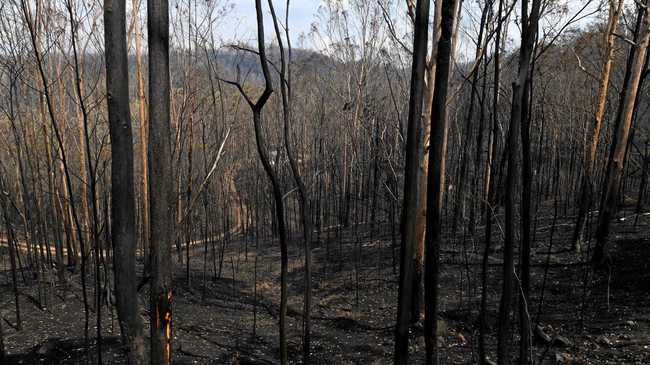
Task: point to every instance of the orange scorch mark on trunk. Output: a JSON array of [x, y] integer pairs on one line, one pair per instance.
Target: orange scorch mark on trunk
[[167, 323]]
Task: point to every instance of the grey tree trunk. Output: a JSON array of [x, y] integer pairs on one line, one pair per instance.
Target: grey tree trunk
[[161, 208], [122, 191]]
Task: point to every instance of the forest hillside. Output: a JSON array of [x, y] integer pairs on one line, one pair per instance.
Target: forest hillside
[[437, 182]]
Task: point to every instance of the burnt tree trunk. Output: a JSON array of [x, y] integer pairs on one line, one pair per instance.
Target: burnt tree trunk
[[436, 179], [160, 183], [616, 160], [123, 231], [409, 210]]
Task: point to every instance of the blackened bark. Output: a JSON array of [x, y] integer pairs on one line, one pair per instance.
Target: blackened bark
[[409, 212], [518, 119], [123, 233], [436, 180], [617, 158], [161, 206]]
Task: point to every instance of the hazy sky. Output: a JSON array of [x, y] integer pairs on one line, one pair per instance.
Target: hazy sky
[[301, 16], [240, 24]]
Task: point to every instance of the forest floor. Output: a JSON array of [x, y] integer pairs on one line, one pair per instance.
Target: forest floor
[[591, 318]]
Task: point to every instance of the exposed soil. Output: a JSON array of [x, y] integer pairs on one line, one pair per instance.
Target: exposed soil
[[600, 317]]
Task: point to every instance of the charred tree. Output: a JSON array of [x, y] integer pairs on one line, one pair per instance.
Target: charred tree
[[436, 179], [159, 161], [616, 160], [123, 231], [409, 209]]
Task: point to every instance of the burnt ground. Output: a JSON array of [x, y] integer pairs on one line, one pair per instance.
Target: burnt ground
[[600, 317]]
